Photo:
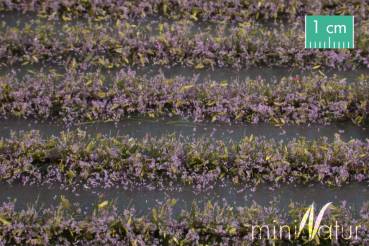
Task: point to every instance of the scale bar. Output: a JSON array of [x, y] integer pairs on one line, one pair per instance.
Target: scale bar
[[332, 39]]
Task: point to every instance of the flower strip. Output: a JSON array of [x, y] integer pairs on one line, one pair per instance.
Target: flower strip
[[212, 224], [79, 97], [76, 159], [118, 44], [191, 9]]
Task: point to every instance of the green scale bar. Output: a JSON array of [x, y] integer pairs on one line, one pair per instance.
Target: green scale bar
[[329, 32]]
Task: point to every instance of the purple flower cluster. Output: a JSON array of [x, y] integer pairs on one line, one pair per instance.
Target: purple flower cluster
[[75, 159], [88, 96], [212, 225], [122, 43]]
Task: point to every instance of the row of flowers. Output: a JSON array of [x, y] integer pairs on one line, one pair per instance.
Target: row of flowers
[[76, 159], [191, 9], [211, 224], [123, 43], [78, 96]]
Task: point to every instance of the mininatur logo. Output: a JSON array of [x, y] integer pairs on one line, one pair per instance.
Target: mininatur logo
[[310, 225]]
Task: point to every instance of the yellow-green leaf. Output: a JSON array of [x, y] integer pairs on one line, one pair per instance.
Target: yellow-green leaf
[[186, 87], [199, 66], [103, 204], [4, 221], [65, 202]]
